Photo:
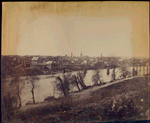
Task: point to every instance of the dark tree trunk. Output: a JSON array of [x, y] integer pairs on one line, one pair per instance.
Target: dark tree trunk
[[99, 80], [63, 88], [81, 82], [133, 72], [32, 91], [66, 86], [113, 75], [20, 104], [77, 83], [107, 71], [7, 101], [124, 74]]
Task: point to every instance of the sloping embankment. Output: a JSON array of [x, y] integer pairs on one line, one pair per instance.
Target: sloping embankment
[[106, 97], [117, 87]]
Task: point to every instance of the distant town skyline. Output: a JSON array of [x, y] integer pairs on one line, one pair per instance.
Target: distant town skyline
[[119, 29]]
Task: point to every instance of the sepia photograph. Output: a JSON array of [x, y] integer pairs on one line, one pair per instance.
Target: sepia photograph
[[75, 62]]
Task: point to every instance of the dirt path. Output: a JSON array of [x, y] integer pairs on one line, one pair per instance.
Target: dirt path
[[86, 93]]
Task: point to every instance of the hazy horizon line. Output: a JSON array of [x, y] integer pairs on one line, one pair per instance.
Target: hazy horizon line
[[81, 56]]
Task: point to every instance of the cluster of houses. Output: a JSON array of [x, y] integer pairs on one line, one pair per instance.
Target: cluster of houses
[[61, 61], [40, 62], [50, 62]]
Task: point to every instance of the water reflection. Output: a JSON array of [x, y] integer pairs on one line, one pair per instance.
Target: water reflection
[[46, 85]]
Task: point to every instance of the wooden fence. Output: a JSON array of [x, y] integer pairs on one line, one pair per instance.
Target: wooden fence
[[142, 69]]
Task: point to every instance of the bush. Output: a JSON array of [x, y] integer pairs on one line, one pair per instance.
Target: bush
[[50, 98], [8, 107]]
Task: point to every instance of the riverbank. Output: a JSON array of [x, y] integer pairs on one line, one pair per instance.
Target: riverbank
[[120, 100], [34, 71]]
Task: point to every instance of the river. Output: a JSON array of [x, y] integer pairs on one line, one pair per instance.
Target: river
[[45, 85]]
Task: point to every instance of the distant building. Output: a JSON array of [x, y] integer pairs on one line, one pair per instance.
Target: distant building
[[71, 62], [34, 60], [84, 62], [121, 60], [49, 64], [26, 62], [38, 62]]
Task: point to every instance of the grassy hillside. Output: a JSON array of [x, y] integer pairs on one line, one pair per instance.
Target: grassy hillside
[[121, 100]]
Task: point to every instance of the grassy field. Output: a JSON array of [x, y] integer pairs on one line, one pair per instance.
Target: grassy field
[[117, 101]]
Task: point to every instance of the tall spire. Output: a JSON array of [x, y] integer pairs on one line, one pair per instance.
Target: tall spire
[[71, 54], [81, 53]]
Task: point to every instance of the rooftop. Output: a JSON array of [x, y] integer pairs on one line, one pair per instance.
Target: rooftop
[[49, 62], [35, 58]]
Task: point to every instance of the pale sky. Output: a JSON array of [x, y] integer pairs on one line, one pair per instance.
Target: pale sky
[[93, 28], [57, 35]]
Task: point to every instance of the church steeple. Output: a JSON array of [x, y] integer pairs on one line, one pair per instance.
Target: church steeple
[[71, 54], [81, 53]]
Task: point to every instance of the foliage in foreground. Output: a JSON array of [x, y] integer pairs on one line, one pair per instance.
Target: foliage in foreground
[[96, 78], [68, 81], [120, 107]]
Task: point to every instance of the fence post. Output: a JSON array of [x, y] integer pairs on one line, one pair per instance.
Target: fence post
[[143, 69], [140, 69], [136, 69], [133, 71]]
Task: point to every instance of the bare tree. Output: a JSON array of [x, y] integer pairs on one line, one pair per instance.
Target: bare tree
[[12, 97], [7, 106], [114, 66], [96, 77], [113, 76], [33, 81], [17, 86], [107, 70], [62, 84], [75, 82], [125, 72], [80, 78], [134, 72]]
